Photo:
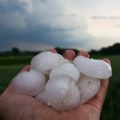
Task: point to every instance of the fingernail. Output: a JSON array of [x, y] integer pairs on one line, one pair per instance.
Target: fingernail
[[69, 54], [26, 68], [83, 53], [107, 60], [52, 50]]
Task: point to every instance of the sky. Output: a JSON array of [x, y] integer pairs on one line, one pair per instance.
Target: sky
[[44, 24]]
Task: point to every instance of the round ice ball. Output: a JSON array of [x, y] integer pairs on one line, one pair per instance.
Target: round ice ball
[[29, 82], [66, 69], [46, 61], [42, 97], [62, 93], [93, 68], [89, 87]]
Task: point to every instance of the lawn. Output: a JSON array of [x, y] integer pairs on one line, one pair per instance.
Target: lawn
[[9, 67]]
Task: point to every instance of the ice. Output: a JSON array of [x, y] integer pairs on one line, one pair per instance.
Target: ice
[[66, 69], [89, 87], [62, 92], [29, 82], [46, 61], [93, 68]]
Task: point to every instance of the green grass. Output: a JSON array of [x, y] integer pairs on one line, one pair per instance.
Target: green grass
[[111, 108], [6, 74], [14, 60]]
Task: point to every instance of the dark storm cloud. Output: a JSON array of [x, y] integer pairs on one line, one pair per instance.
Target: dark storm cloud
[[43, 35], [18, 23]]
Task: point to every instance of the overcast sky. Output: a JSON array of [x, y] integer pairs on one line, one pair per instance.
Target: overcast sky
[[43, 24]]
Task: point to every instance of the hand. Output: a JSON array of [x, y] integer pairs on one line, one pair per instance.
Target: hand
[[14, 106]]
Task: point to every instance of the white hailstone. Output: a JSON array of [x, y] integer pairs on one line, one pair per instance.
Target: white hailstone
[[46, 61], [62, 93], [66, 69], [89, 87], [29, 82], [93, 68], [42, 97]]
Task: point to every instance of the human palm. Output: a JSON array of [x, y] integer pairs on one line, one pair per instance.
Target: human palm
[[14, 106]]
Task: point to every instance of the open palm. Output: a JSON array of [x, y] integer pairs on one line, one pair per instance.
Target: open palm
[[14, 106]]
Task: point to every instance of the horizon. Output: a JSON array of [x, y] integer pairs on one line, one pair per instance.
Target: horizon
[[33, 25], [92, 50]]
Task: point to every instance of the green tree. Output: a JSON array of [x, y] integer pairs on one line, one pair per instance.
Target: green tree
[[15, 51]]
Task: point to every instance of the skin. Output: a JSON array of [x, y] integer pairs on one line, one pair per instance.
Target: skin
[[14, 106], [69, 54]]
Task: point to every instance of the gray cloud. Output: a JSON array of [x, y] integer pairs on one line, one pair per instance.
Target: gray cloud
[[40, 22]]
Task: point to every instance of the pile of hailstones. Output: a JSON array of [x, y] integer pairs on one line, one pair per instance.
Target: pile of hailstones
[[60, 83]]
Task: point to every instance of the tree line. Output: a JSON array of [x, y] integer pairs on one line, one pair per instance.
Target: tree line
[[114, 49]]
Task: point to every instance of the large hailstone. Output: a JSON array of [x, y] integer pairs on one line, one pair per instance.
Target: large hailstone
[[66, 69], [89, 87], [62, 93], [93, 68], [29, 82], [42, 96], [46, 61]]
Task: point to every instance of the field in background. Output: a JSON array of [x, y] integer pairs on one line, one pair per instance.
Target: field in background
[[9, 67]]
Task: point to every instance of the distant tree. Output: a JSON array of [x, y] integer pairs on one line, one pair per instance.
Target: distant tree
[[115, 49], [93, 52], [60, 50], [15, 51]]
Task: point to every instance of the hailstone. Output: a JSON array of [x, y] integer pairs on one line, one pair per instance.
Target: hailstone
[[62, 93], [66, 69], [93, 68], [46, 61], [29, 82], [42, 96], [89, 87]]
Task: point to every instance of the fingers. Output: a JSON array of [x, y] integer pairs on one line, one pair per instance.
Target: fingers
[[103, 89], [52, 50], [69, 54], [107, 60], [100, 97], [83, 53], [98, 100], [104, 83], [26, 68], [104, 86]]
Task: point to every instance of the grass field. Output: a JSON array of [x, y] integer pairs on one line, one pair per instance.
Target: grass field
[[9, 67]]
